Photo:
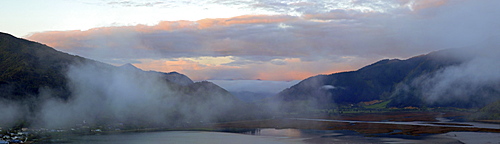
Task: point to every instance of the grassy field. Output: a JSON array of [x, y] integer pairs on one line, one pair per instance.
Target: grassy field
[[381, 105]]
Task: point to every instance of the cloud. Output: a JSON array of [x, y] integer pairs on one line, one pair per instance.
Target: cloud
[[347, 36], [293, 7], [473, 83], [261, 86], [277, 69], [247, 19], [278, 62], [338, 15], [135, 3], [272, 6], [423, 4]]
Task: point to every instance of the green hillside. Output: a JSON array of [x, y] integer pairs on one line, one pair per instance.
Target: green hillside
[[489, 112]]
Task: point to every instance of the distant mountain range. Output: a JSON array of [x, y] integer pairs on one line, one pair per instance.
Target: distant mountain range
[[402, 82]]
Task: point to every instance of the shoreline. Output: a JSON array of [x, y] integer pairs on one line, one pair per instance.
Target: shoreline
[[409, 128]]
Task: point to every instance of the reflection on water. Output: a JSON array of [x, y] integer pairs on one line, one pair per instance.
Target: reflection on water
[[177, 137], [420, 123], [291, 133], [257, 136], [285, 133]]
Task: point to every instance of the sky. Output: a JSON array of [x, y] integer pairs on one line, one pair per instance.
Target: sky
[[271, 40]]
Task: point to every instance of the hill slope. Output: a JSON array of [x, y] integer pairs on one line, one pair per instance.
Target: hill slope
[[489, 112], [400, 81], [27, 66], [45, 87]]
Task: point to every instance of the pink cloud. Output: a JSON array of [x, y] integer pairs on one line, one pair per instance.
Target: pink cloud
[[194, 70], [423, 4], [292, 69], [245, 19], [77, 38], [281, 47]]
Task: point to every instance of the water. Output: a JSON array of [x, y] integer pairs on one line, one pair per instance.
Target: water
[[291, 136], [176, 137], [264, 136], [419, 123]]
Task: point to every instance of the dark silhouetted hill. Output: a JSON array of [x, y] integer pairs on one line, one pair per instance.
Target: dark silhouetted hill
[[27, 66], [388, 79], [174, 77], [32, 73]]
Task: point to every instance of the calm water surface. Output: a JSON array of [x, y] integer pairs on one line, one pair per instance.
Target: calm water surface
[[178, 137], [287, 136], [260, 136]]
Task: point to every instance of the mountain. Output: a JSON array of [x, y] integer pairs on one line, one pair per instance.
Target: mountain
[[399, 81], [27, 66], [41, 85], [489, 112], [177, 78], [129, 66], [173, 77]]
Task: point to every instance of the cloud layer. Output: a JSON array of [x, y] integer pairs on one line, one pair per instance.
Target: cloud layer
[[302, 39]]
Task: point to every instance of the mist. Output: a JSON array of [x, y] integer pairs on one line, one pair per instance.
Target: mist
[[474, 82], [106, 95], [10, 113]]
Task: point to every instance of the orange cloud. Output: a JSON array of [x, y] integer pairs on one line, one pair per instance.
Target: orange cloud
[[58, 39], [76, 38], [245, 19], [169, 65], [214, 22], [194, 70], [296, 69], [423, 4], [290, 69], [285, 75]]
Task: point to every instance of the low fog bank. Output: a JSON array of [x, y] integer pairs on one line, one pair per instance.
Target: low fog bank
[[254, 90], [130, 96], [9, 113], [264, 94], [258, 86], [475, 82], [106, 95]]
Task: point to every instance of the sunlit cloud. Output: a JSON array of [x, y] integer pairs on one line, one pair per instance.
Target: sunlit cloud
[[339, 36], [278, 69], [212, 61], [422, 4]]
